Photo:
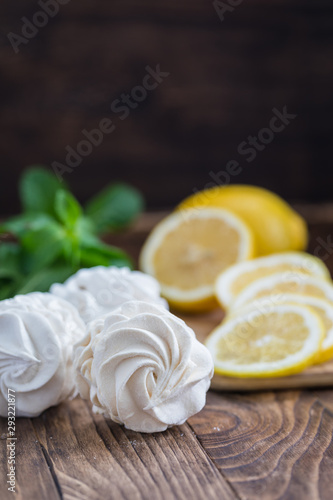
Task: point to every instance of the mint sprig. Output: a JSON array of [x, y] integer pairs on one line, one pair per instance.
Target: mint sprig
[[115, 207], [55, 236]]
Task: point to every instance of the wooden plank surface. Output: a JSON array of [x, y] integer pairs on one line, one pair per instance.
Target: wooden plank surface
[[34, 477], [103, 460], [269, 445], [70, 453]]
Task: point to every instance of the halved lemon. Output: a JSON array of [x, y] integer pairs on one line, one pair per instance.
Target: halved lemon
[[280, 342], [234, 279], [187, 250], [276, 226], [322, 307], [283, 283]]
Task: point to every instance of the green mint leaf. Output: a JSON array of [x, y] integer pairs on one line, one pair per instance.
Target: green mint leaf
[[38, 188], [7, 289], [86, 229], [10, 269], [10, 264], [97, 253], [42, 246], [67, 208], [25, 223], [43, 279], [115, 207]]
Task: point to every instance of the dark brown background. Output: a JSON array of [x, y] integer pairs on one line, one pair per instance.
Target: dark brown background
[[225, 78]]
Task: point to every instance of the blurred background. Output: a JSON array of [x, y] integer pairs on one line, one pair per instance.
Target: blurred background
[[187, 85]]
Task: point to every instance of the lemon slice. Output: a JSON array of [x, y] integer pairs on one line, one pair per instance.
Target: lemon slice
[[280, 342], [276, 226], [187, 250], [283, 283], [234, 279], [322, 307]]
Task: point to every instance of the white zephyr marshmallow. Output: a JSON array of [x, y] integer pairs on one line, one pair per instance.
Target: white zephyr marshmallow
[[37, 333], [143, 367], [99, 290]]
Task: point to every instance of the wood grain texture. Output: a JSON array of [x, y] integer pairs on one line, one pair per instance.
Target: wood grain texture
[[271, 445], [93, 458], [34, 474]]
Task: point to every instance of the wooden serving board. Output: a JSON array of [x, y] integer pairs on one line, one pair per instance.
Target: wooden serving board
[[315, 376]]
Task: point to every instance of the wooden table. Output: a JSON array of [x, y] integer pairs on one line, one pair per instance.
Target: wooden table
[[262, 445]]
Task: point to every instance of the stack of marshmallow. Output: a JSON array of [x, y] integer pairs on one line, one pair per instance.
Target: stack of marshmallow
[[108, 335]]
